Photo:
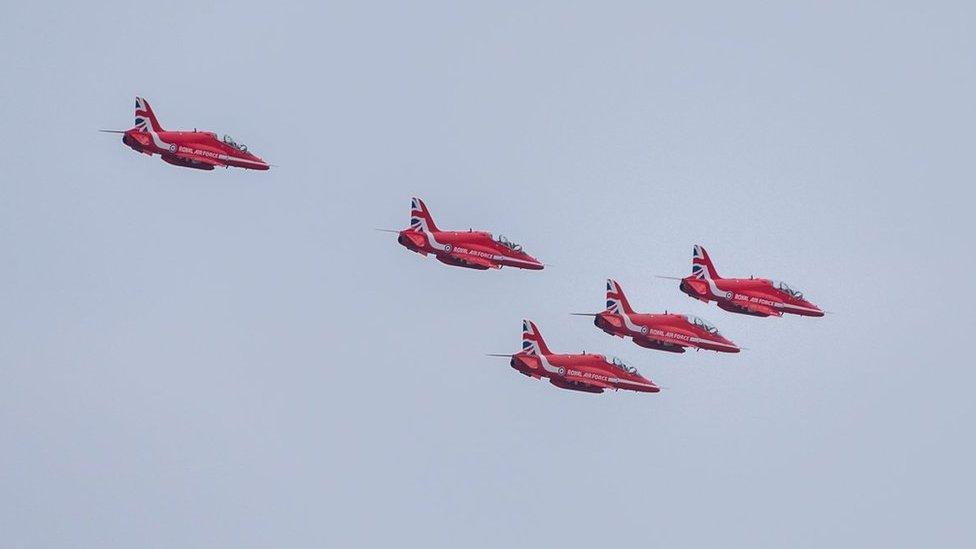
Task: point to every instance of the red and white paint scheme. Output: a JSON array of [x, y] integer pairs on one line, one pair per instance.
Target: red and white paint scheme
[[471, 249], [583, 372], [197, 149], [750, 296], [664, 332]]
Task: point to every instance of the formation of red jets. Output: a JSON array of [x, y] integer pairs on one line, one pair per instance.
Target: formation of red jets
[[591, 373]]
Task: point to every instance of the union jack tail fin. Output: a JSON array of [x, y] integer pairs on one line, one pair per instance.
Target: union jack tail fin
[[616, 300], [420, 219], [145, 118], [532, 342], [701, 265]]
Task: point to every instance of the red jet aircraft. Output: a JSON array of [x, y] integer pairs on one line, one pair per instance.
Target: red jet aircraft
[[665, 332], [196, 149], [582, 372], [750, 296], [471, 249]]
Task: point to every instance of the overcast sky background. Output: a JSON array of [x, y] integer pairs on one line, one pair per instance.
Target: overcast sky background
[[236, 359]]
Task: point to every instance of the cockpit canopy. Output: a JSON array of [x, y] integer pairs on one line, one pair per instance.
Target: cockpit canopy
[[228, 140], [508, 243], [702, 323], [616, 361], [784, 287]]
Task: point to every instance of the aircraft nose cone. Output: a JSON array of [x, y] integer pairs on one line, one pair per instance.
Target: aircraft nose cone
[[814, 310], [653, 388], [733, 348], [536, 265], [254, 161]]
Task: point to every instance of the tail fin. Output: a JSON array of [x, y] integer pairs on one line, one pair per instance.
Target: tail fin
[[145, 118], [616, 300], [420, 219], [701, 265], [532, 342]]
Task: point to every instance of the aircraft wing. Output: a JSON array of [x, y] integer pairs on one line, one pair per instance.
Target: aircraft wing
[[475, 260], [198, 159], [590, 381], [666, 340], [757, 308]]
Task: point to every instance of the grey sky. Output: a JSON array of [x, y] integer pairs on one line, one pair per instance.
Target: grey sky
[[236, 359]]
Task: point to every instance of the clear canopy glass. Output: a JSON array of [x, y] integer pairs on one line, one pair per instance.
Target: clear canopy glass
[[508, 243], [784, 287], [619, 363], [228, 140], [702, 323]]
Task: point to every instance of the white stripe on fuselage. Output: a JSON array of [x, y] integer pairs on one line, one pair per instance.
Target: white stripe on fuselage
[[777, 304], [545, 363], [712, 342], [691, 339], [797, 307], [507, 258], [627, 322], [561, 372], [229, 158], [635, 329], [158, 141], [169, 148], [536, 351], [621, 380], [714, 288], [425, 230], [432, 241]]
